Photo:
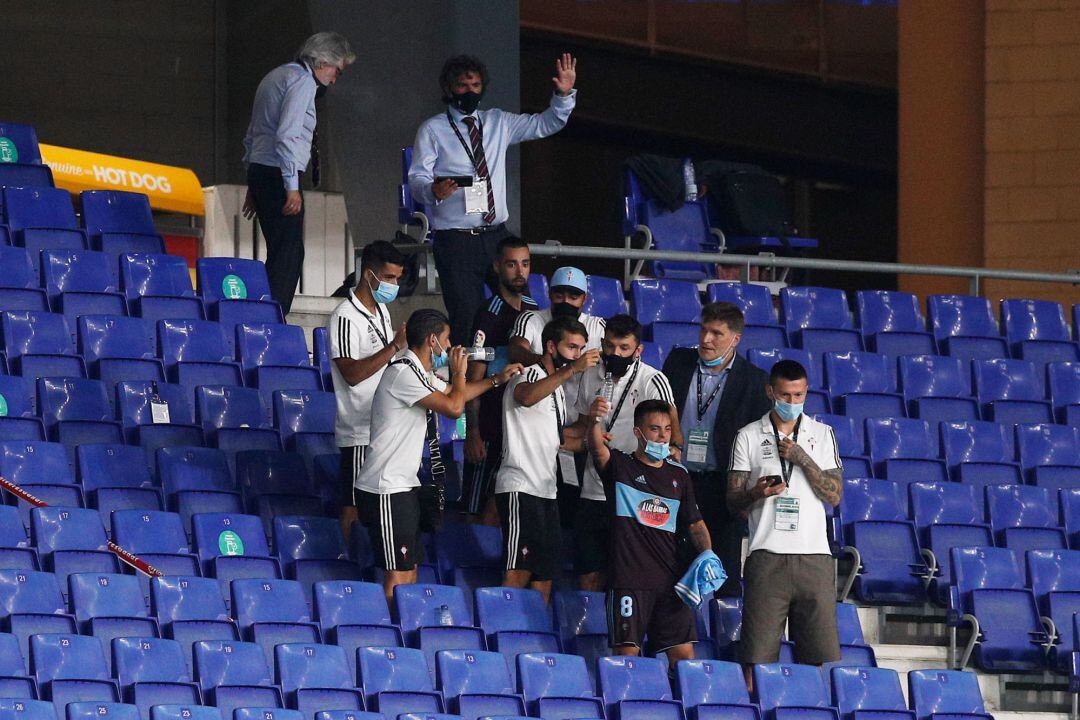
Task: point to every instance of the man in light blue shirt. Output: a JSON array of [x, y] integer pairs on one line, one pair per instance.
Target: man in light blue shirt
[[278, 145], [459, 172]]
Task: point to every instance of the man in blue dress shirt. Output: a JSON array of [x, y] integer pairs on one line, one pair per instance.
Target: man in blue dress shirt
[[468, 219], [279, 143]]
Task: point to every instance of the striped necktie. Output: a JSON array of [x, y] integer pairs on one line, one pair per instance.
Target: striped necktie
[[481, 165]]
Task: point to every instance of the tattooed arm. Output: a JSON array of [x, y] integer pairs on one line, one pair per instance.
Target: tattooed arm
[[828, 485], [699, 536], [741, 494]]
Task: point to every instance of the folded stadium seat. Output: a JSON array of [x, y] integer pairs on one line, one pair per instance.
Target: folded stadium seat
[[904, 450], [19, 421], [1037, 330], [29, 464], [316, 677], [1069, 498], [234, 674], [672, 335], [850, 442], [269, 347], [22, 139], [233, 418], [116, 477], [196, 479], [269, 602], [581, 619], [185, 712], [862, 385], [102, 711], [152, 535], [71, 540], [964, 327], [108, 606], [947, 515], [21, 707], [232, 545], [656, 302], [1024, 518], [1054, 577], [198, 352], [120, 222], [118, 348], [1064, 384], [41, 218], [23, 175], [605, 296], [892, 323], [311, 550], [159, 286], [305, 419], [276, 483], [555, 685], [862, 693], [990, 593], [320, 346], [1049, 455], [711, 689], [818, 320], [762, 329], [635, 687], [29, 598], [1011, 392], [396, 681], [476, 683], [980, 452], [77, 411], [354, 614], [945, 693], [685, 229], [271, 713], [476, 546], [80, 282], [186, 605], [888, 566], [506, 610], [237, 287], [152, 671], [410, 210], [39, 344], [937, 389], [426, 613], [817, 400], [786, 691], [157, 415], [19, 283], [71, 668]]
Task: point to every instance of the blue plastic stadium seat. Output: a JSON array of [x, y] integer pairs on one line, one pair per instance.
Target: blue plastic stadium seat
[[65, 531], [605, 296], [685, 229], [1029, 324], [502, 609], [303, 416], [850, 441], [862, 385], [1070, 515], [99, 598], [818, 320], [35, 463], [467, 546], [21, 147], [67, 274], [937, 389], [269, 602], [116, 477], [945, 694], [396, 681], [312, 549], [102, 711], [965, 327], [195, 478], [136, 401], [42, 217], [198, 353], [868, 693], [19, 285], [1049, 455], [892, 323], [152, 671], [664, 301], [430, 607], [24, 708], [1064, 385], [235, 284], [43, 335], [755, 301], [476, 683], [219, 407], [117, 220], [19, 422], [713, 689], [904, 450], [1024, 518], [189, 607], [990, 588], [265, 347], [948, 515], [316, 677], [26, 595], [352, 610], [636, 687], [75, 411], [118, 348], [1011, 392], [320, 346], [786, 691], [1054, 576], [766, 358], [980, 452], [144, 531], [185, 712], [875, 524], [71, 668], [266, 713], [234, 674], [557, 685], [265, 474], [24, 175], [581, 619], [228, 539], [151, 278]]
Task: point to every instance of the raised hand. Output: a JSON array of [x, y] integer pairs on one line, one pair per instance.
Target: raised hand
[[565, 74], [588, 359]]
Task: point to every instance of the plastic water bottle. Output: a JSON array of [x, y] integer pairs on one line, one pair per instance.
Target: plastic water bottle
[[482, 354], [689, 180], [608, 389], [443, 614]]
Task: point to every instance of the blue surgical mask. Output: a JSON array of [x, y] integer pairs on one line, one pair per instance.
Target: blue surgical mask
[[656, 450], [440, 360], [386, 292], [788, 411], [717, 361]]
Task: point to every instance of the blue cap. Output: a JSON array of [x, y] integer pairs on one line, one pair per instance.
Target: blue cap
[[570, 277]]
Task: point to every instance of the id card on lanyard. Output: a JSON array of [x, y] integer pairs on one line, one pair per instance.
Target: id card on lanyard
[[697, 440]]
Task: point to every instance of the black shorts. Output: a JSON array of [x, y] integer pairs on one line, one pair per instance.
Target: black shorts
[[479, 479], [659, 615], [592, 523], [532, 537], [393, 524], [352, 459]]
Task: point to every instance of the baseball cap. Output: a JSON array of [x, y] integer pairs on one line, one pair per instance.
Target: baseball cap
[[569, 277]]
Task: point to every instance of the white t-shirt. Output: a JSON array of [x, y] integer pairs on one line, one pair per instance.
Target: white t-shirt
[[531, 439], [530, 325], [355, 333], [640, 382], [755, 452], [398, 435]]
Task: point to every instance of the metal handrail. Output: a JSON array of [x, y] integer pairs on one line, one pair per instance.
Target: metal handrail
[[976, 275]]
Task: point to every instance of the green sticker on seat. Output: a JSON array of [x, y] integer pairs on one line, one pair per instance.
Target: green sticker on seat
[[233, 288], [3, 406], [229, 543], [8, 152]]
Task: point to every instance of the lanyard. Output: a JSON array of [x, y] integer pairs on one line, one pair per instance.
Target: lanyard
[[380, 332], [461, 138], [622, 398], [702, 409], [788, 468], [558, 415]]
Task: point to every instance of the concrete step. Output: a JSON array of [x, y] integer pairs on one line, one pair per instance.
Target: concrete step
[[311, 311]]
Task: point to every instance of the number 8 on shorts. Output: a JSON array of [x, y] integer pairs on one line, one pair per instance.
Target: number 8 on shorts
[[626, 606]]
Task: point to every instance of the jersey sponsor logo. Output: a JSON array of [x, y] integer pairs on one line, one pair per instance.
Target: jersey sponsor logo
[[479, 338], [648, 509], [640, 479]]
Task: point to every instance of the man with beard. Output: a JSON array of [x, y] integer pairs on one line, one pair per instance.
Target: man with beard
[[459, 172], [491, 328]]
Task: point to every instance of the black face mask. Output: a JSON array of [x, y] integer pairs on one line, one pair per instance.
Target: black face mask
[[320, 90], [466, 102], [617, 365], [565, 310], [559, 361]]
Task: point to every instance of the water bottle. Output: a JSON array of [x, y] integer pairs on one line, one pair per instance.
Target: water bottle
[[608, 389], [689, 180], [482, 354], [444, 615]]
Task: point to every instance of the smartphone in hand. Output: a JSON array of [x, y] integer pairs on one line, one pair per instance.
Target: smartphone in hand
[[773, 480]]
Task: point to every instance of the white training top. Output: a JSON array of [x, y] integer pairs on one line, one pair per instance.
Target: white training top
[[755, 452], [641, 382], [397, 438], [530, 325], [355, 333], [531, 439]]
